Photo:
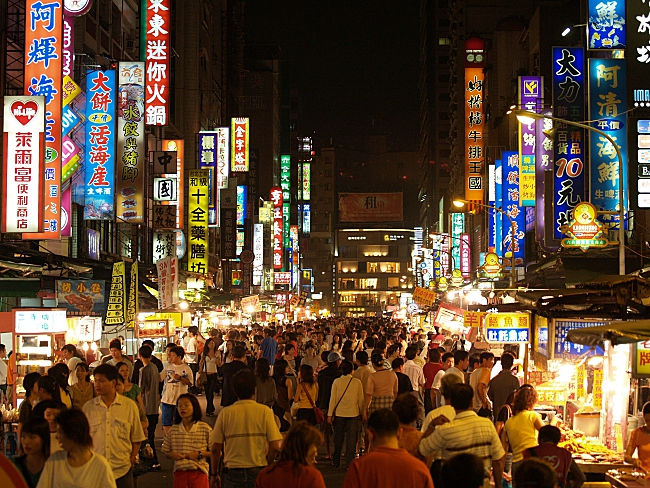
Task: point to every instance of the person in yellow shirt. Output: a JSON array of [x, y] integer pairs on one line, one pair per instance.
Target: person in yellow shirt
[[524, 424], [640, 442]]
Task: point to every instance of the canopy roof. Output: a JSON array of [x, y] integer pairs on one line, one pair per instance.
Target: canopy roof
[[615, 332]]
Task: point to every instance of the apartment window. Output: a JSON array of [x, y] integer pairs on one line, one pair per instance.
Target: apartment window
[[328, 186], [443, 78], [444, 41], [443, 59], [328, 173]]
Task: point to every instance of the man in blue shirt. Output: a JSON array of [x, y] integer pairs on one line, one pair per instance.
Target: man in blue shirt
[[269, 347]]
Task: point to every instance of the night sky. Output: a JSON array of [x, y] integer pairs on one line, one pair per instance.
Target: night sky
[[352, 61]]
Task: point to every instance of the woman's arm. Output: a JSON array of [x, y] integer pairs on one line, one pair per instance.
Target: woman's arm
[[629, 453], [139, 400], [289, 386]]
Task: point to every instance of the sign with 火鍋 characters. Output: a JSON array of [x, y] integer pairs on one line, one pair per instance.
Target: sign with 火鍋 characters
[[508, 328]]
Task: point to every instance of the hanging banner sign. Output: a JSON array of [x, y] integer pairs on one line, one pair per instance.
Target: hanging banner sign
[[606, 24], [133, 305], [208, 147], [585, 230], [278, 248], [465, 256], [543, 162], [131, 145], [425, 297], [239, 148], [164, 244], [158, 53], [43, 77], [607, 110], [498, 217], [81, 297], [100, 145], [116, 310], [24, 149], [531, 98], [197, 216], [569, 148], [164, 283], [474, 123], [457, 226]]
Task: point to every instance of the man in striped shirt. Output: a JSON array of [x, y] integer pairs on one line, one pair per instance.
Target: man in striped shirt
[[467, 433]]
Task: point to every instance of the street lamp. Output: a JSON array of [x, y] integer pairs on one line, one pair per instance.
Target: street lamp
[[527, 117], [461, 203]]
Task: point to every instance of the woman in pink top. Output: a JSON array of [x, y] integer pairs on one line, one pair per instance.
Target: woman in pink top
[[381, 390], [640, 441]]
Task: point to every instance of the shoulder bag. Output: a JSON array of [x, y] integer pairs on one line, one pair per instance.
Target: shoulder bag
[[344, 392], [320, 416]]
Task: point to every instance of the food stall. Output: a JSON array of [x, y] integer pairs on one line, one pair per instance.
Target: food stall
[[39, 334], [85, 333], [161, 328]]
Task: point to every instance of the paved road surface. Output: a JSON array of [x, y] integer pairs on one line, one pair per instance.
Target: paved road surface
[[164, 478]]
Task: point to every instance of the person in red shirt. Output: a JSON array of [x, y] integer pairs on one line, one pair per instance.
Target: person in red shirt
[[430, 370], [378, 467], [559, 458], [295, 466]]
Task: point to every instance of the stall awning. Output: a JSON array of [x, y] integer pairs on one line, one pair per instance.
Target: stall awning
[[616, 332]]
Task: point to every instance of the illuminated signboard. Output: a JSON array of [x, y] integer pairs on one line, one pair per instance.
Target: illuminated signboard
[[498, 202], [43, 77], [568, 103], [306, 181], [242, 194], [285, 184], [508, 328], [164, 189], [306, 219], [465, 256], [40, 321], [607, 110], [208, 147], [158, 53], [176, 146], [457, 227], [197, 215], [544, 162], [131, 161], [100, 145], [474, 123], [239, 148], [585, 230], [512, 239], [282, 278], [164, 244], [223, 156], [258, 251], [606, 24], [278, 248], [531, 98], [24, 147]]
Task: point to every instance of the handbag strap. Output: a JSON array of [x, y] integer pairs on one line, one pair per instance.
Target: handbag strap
[[308, 395], [344, 392]]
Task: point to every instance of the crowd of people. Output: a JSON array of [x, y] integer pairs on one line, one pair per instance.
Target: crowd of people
[[395, 407]]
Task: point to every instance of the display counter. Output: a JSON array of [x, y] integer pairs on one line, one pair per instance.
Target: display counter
[[615, 481]]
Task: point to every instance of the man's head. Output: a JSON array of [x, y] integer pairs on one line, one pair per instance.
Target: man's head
[[362, 358], [115, 348], [549, 433], [239, 352], [447, 384], [243, 384], [30, 383], [507, 360], [434, 356], [105, 379], [461, 397], [370, 342], [168, 348], [393, 350], [474, 361], [3, 351], [534, 472], [487, 360], [406, 408], [397, 365], [411, 352], [149, 343], [176, 355], [334, 359], [193, 330], [346, 367], [145, 353], [377, 360], [464, 471], [383, 426], [461, 359], [289, 350], [447, 360], [270, 332]]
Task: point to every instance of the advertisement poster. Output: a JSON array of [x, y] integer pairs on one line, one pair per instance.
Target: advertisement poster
[[531, 98], [133, 305], [81, 297], [370, 207], [116, 310], [474, 119], [239, 148], [513, 234]]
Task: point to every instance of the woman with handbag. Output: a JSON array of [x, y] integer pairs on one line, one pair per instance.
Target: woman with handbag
[[305, 394], [208, 367], [284, 390]]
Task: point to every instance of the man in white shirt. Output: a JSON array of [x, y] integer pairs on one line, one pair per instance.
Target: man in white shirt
[[345, 408], [177, 377], [461, 362], [447, 364], [479, 380], [114, 426]]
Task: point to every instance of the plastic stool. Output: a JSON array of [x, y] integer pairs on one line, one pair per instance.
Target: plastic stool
[[10, 444]]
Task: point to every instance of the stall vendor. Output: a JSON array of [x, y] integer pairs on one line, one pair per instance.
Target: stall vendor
[[640, 440]]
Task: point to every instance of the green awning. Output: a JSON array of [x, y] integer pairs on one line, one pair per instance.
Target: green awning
[[616, 332], [20, 287]]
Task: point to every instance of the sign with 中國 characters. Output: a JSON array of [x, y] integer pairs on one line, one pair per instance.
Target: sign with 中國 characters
[[24, 147]]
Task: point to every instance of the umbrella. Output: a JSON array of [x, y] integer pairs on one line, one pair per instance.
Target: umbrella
[[616, 332]]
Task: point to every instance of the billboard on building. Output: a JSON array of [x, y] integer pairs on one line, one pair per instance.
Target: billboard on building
[[513, 234], [223, 156], [239, 148], [197, 215], [474, 120], [131, 149], [606, 24], [531, 98], [24, 149], [158, 54], [278, 245], [370, 207]]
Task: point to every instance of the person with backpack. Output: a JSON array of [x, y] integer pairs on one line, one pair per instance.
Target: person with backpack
[[569, 474]]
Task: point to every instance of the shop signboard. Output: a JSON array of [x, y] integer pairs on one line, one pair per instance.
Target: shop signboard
[[42, 321], [131, 160], [606, 24], [543, 163], [157, 29], [223, 157], [239, 148], [569, 147], [513, 235], [164, 244], [491, 230], [569, 350], [278, 246], [608, 111], [208, 146], [423, 296], [306, 181], [116, 310], [164, 216], [100, 143], [43, 77], [370, 207], [163, 267], [499, 218], [81, 297], [641, 360], [465, 256], [282, 278], [133, 303], [457, 227], [24, 148], [531, 98], [584, 230], [198, 221], [508, 328], [451, 318], [285, 184], [177, 147], [473, 319], [306, 219], [89, 329], [474, 119], [242, 197]]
